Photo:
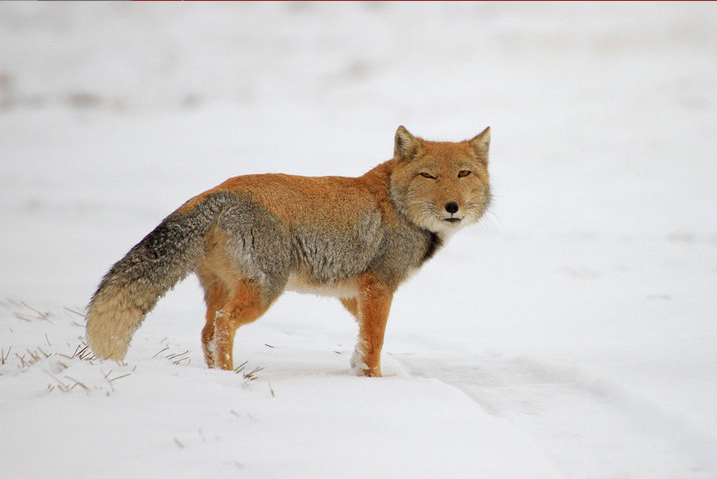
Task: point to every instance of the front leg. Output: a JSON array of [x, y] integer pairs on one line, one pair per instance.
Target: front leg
[[373, 304]]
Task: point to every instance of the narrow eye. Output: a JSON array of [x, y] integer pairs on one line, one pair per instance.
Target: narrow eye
[[428, 175], [463, 173]]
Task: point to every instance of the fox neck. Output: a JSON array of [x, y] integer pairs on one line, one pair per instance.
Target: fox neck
[[434, 243]]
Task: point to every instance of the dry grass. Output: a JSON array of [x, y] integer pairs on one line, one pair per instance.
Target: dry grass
[[67, 383], [183, 359], [248, 375], [31, 357], [71, 365], [178, 359], [4, 355], [82, 352], [33, 314]]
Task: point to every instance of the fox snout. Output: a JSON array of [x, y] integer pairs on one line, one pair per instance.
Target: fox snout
[[451, 207]]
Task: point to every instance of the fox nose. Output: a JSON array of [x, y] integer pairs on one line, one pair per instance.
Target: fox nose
[[451, 207]]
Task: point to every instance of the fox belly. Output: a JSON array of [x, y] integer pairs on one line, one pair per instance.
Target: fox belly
[[347, 288]]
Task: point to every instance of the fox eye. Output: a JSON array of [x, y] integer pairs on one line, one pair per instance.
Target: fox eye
[[427, 175], [463, 173]]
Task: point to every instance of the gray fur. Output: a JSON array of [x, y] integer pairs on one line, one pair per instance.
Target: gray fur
[[163, 257], [328, 255], [267, 251], [258, 241], [403, 249]]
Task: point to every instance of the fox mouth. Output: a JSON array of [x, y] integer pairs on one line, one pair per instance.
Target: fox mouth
[[452, 220]]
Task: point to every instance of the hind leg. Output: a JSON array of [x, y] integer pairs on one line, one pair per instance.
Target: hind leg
[[216, 295], [247, 304]]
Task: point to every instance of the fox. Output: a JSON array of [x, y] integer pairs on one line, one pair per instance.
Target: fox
[[253, 237]]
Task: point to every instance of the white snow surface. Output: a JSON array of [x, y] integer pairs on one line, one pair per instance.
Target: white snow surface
[[572, 334]]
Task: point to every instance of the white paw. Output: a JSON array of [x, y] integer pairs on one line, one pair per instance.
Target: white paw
[[358, 364]]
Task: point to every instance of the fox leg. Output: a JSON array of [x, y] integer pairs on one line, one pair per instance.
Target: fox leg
[[372, 306], [247, 304], [216, 295]]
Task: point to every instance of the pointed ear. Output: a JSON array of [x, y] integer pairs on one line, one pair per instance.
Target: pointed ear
[[406, 145], [480, 144]]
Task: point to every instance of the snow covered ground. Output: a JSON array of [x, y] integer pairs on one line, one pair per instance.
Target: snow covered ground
[[573, 334]]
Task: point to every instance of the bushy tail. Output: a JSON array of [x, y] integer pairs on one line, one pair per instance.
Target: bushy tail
[[136, 282]]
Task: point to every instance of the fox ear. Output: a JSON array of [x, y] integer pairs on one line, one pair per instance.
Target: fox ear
[[406, 145], [480, 144]]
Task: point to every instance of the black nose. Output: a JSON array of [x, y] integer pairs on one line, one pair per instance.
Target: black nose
[[451, 207]]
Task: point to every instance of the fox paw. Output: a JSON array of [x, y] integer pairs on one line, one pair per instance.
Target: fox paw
[[360, 368]]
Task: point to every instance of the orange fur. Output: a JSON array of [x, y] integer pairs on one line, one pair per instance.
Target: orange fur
[[374, 303], [298, 198]]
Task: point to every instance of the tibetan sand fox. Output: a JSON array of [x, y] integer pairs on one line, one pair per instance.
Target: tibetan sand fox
[[254, 236]]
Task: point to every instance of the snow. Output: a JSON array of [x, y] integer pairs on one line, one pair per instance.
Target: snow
[[570, 335]]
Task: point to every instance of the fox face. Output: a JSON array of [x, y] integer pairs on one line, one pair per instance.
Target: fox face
[[441, 186]]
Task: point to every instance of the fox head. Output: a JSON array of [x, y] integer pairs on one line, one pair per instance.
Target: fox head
[[440, 186]]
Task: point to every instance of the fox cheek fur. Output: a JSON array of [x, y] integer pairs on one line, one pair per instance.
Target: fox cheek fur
[[253, 237]]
